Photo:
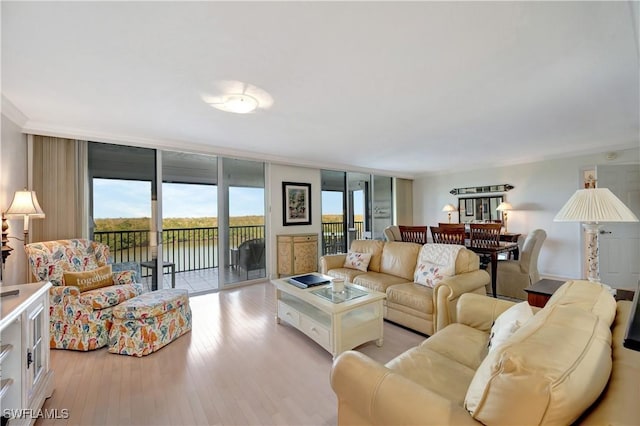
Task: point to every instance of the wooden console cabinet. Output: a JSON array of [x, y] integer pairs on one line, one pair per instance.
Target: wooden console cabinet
[[297, 254], [24, 355]]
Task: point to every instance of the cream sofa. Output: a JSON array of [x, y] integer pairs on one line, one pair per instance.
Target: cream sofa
[[391, 271], [565, 365]]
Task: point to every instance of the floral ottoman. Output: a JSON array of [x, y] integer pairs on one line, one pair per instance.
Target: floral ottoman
[[150, 321]]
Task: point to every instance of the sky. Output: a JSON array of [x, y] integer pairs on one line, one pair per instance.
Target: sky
[[126, 198]]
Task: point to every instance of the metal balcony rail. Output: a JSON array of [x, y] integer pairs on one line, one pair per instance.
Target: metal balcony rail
[[192, 249], [333, 237]]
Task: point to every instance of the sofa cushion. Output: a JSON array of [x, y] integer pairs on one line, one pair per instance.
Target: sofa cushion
[[399, 259], [89, 280], [588, 296], [461, 343], [369, 246], [550, 371], [435, 370], [106, 297], [414, 296], [359, 261], [435, 262], [346, 274], [467, 261], [378, 281]]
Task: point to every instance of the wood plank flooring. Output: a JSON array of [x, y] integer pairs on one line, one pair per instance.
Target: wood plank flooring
[[236, 367]]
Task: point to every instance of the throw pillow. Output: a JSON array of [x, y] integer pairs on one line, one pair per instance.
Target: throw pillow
[[89, 280], [508, 323], [435, 263], [359, 261]]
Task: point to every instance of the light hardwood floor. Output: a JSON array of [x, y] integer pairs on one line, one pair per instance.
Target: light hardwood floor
[[236, 367]]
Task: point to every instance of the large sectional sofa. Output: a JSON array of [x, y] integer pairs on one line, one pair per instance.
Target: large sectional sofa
[[392, 269], [565, 365]]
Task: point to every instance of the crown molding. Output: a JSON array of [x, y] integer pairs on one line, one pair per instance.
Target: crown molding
[[45, 129], [10, 111]]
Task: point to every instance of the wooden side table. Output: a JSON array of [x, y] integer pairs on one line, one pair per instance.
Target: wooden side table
[[538, 294]]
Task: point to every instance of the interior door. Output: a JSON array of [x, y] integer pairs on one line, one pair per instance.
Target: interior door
[[619, 243]]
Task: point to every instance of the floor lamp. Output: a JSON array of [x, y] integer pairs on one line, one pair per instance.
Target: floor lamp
[[591, 207]]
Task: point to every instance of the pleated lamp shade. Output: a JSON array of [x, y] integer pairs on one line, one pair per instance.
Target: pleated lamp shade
[[595, 205]]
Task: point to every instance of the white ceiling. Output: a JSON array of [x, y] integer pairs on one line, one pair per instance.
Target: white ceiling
[[408, 88]]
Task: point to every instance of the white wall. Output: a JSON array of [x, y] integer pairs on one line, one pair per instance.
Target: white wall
[[13, 177], [276, 174], [541, 189]]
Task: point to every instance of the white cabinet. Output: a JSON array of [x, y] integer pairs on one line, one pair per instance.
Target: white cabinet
[[24, 355]]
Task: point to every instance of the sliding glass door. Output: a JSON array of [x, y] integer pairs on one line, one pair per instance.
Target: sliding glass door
[[124, 207], [201, 229], [243, 220], [354, 206]]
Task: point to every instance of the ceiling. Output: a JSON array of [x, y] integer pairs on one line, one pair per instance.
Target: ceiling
[[393, 87]]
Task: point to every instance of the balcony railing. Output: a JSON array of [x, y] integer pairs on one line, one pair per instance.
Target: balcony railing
[[192, 249], [333, 238], [189, 249]]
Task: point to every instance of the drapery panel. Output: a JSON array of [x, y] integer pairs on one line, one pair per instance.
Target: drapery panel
[[59, 177]]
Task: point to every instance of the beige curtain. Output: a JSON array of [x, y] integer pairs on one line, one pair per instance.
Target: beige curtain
[[59, 177]]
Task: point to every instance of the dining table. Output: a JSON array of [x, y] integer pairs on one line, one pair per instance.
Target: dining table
[[493, 250]]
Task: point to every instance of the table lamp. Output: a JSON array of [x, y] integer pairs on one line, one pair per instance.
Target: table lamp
[[25, 204], [591, 207], [449, 208], [504, 207]]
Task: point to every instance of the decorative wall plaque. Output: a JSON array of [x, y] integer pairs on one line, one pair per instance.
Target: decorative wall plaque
[[482, 189]]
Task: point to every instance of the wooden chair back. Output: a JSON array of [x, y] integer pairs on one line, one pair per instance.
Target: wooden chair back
[[484, 234], [449, 226], [413, 234], [443, 235]]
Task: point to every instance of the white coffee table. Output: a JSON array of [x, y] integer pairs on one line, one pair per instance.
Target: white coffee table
[[337, 325]]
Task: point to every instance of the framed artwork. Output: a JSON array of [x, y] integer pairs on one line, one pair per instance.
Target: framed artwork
[[296, 203]]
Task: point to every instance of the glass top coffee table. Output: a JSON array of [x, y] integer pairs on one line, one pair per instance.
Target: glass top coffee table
[[336, 321]]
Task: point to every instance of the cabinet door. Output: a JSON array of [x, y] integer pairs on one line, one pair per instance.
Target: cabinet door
[[306, 256], [36, 350], [285, 256]]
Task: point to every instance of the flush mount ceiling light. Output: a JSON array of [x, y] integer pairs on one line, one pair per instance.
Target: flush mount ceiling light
[[238, 103]]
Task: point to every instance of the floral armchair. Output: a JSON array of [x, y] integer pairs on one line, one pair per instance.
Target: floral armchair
[[80, 314]]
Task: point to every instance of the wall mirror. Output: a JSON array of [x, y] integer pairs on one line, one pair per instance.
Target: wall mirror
[[479, 209]]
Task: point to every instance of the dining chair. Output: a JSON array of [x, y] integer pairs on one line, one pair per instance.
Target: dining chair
[[484, 235], [451, 226], [443, 235], [413, 234]]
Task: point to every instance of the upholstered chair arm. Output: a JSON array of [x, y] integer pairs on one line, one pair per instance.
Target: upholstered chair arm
[[448, 291], [370, 393], [479, 311], [62, 291], [127, 266], [331, 261], [64, 302]]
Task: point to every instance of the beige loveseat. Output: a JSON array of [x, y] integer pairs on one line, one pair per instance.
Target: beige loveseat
[[565, 365], [391, 271]]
